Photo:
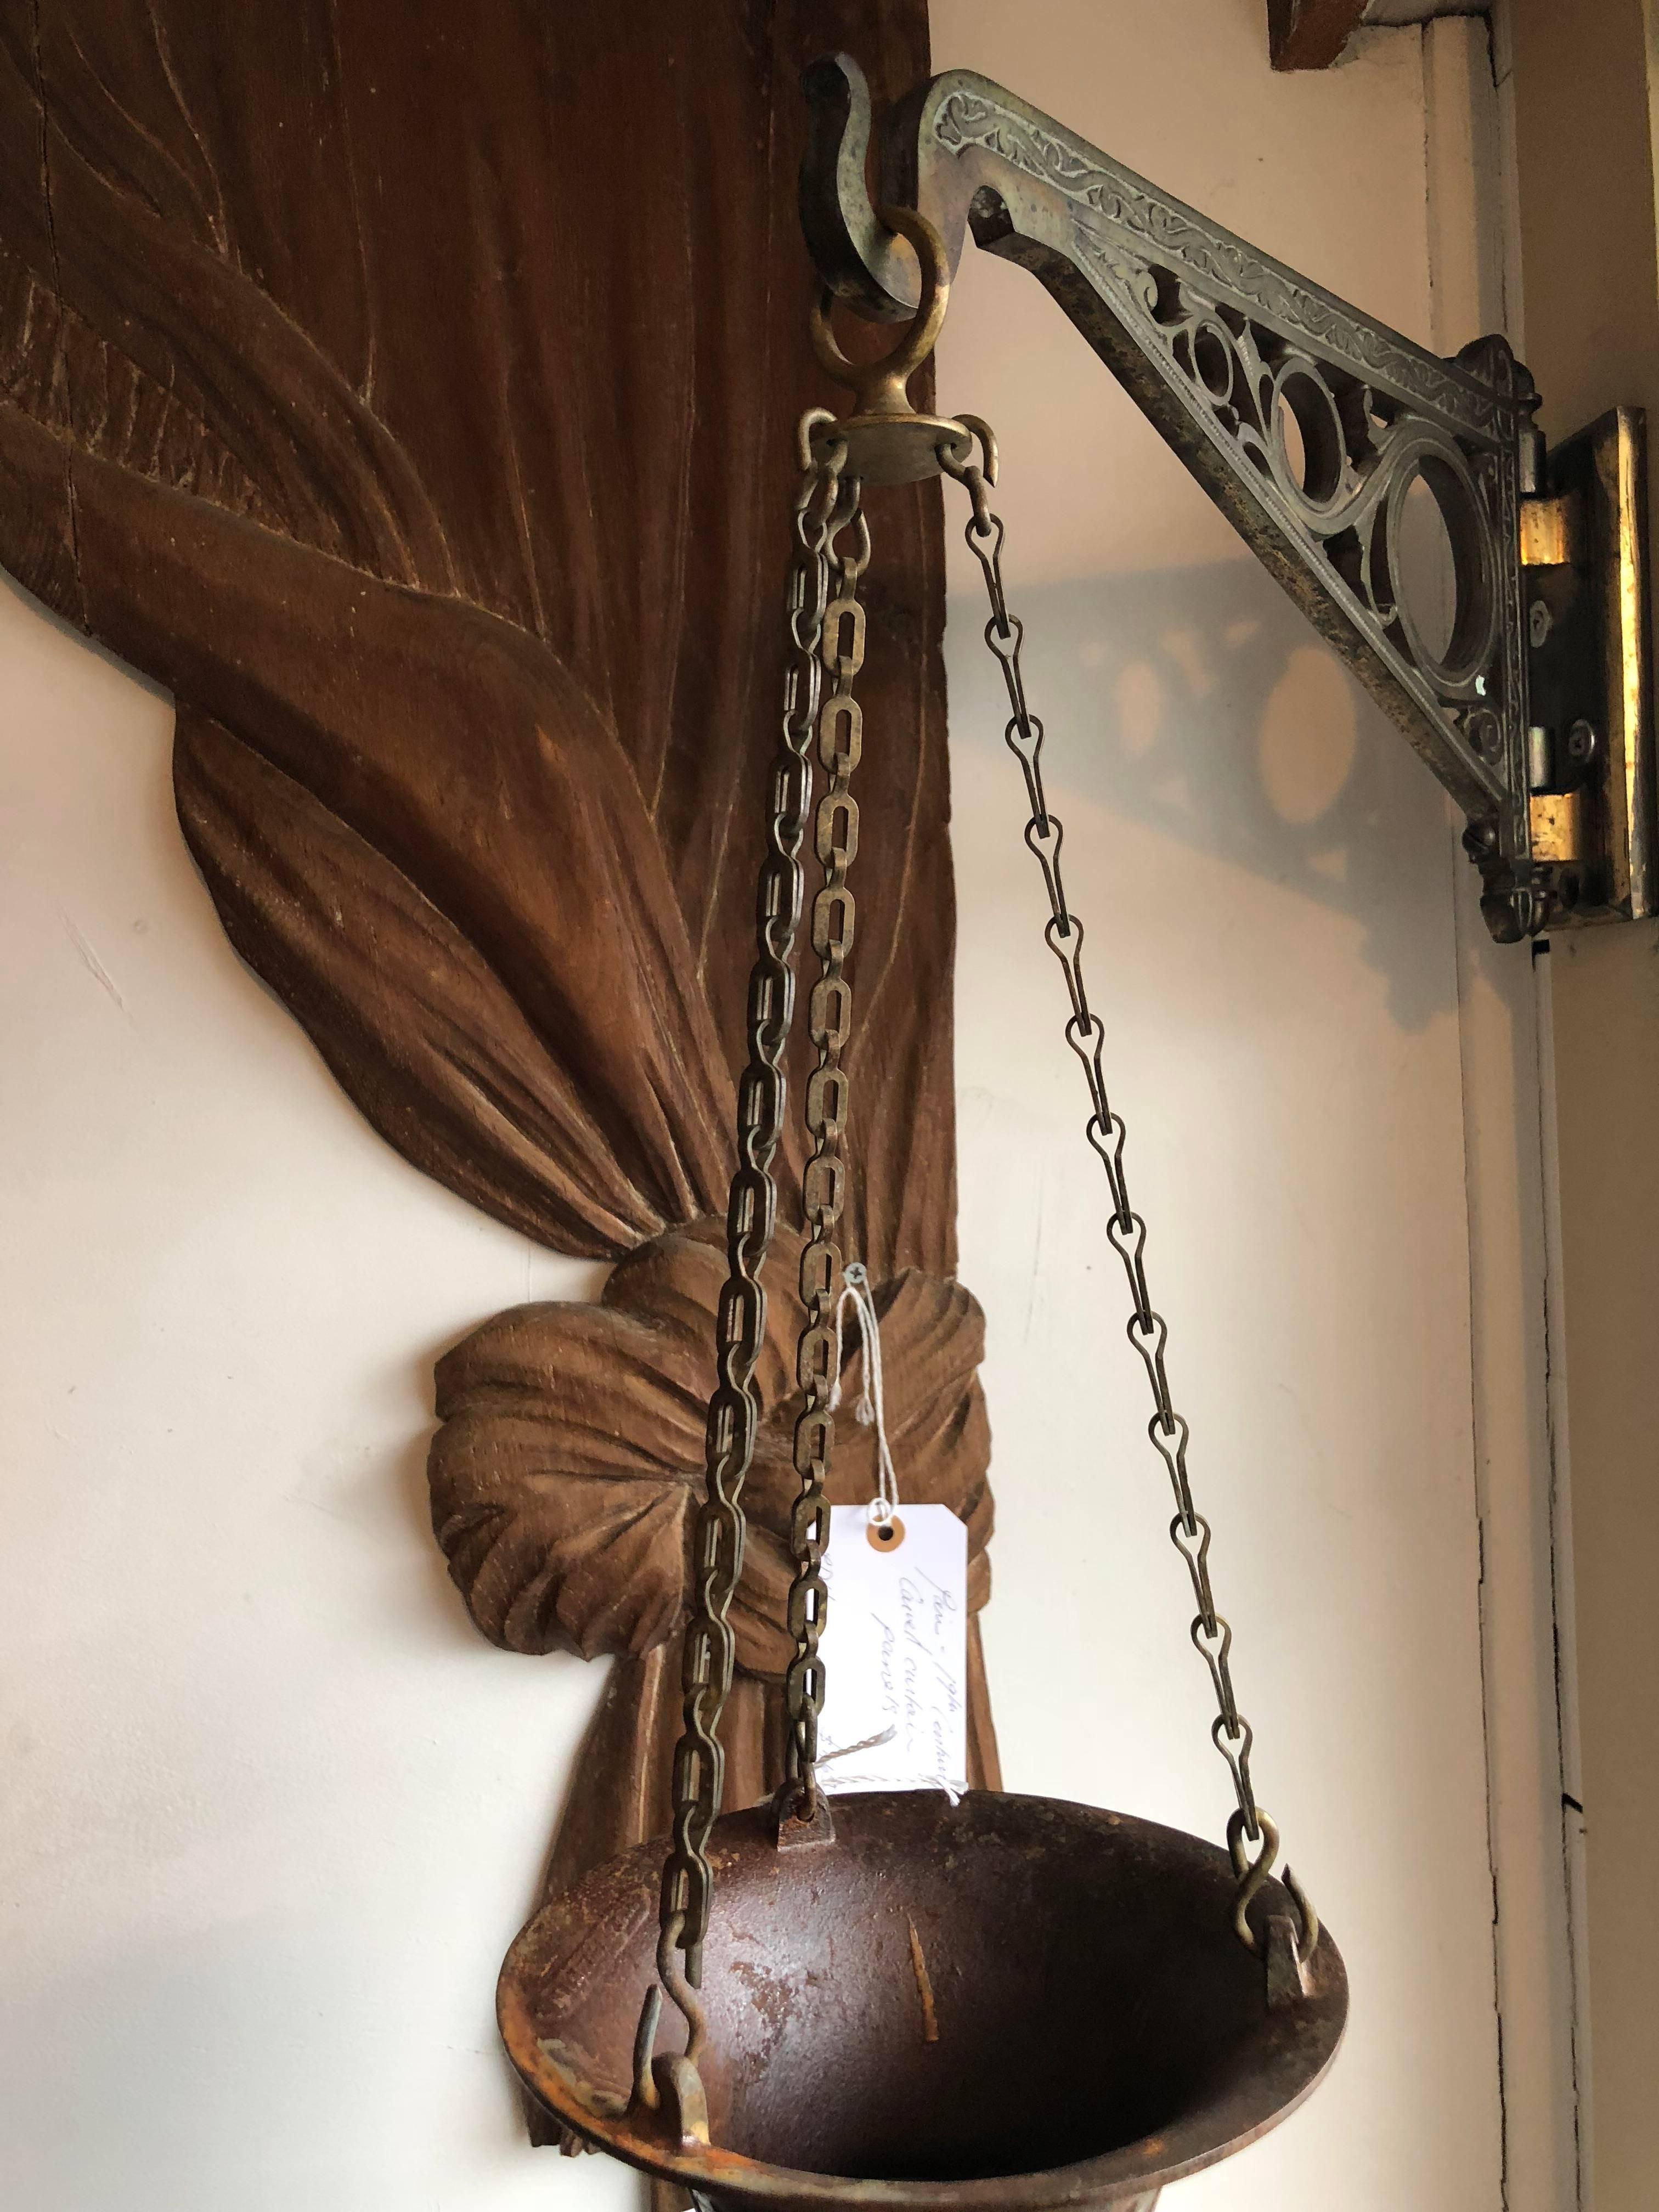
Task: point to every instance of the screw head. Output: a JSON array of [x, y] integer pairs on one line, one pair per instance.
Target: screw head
[[1581, 744], [1486, 733], [1539, 622]]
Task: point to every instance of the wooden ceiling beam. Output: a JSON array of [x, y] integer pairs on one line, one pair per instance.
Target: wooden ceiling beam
[[1309, 34]]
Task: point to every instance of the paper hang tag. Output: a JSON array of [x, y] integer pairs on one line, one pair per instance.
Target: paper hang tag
[[894, 1652]]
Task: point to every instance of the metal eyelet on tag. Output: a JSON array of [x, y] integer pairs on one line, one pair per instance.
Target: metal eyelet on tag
[[885, 1535]]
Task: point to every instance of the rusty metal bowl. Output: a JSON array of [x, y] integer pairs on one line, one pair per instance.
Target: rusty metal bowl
[[1008, 2002]]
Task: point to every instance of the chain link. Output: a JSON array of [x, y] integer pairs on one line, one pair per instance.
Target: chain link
[[829, 1011], [824, 505], [1086, 1035]]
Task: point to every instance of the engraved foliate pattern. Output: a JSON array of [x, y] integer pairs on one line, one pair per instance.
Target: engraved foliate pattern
[[1312, 426], [1204, 251]]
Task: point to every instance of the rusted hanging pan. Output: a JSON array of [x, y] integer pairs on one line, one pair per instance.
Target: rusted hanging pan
[[1009, 2003]]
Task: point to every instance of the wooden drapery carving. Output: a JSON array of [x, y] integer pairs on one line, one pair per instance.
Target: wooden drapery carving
[[411, 390]]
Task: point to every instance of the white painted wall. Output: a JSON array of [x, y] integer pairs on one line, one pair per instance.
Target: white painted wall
[[1268, 880], [273, 1807], [276, 1809], [1588, 245]]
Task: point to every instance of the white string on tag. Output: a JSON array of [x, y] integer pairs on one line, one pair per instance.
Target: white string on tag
[[851, 1782], [869, 1410], [877, 1782], [867, 1743]]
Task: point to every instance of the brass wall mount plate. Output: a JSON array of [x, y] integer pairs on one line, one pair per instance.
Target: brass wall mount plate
[[1583, 553]]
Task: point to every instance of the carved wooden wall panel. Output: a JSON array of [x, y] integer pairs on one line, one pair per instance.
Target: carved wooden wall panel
[[410, 388]]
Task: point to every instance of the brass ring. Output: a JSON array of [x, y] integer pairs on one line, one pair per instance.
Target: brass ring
[[880, 385]]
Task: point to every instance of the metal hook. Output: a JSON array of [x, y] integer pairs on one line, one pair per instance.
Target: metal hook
[[674, 1980], [854, 250], [1253, 1873], [813, 420], [671, 2081], [645, 2038], [955, 463], [974, 477]]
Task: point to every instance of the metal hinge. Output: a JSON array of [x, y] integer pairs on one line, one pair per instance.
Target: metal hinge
[[1590, 736]]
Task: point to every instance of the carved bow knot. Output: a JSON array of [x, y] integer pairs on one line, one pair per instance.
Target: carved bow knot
[[567, 1471]]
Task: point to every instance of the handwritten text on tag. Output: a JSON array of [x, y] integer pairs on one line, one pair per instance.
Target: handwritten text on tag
[[894, 1652]]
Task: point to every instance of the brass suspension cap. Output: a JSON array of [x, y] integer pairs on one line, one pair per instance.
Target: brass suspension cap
[[887, 441]]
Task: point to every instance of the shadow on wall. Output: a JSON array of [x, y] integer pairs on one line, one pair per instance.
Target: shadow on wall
[[1198, 702]]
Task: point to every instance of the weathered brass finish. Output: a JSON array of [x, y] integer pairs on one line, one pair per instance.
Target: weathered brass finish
[[1085, 2026], [1548, 530], [1559, 829], [1308, 424], [1592, 800], [887, 441], [897, 449]]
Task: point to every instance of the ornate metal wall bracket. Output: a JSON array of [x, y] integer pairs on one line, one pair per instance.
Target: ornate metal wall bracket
[[1309, 425]]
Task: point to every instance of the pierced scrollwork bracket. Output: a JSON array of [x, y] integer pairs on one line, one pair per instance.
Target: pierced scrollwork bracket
[[1306, 421]]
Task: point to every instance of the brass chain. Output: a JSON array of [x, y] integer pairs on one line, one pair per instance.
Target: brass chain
[[1086, 1035], [824, 505], [826, 636], [824, 1184]]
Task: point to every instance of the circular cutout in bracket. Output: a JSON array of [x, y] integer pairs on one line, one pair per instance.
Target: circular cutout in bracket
[[1307, 434], [1212, 360], [1435, 568]]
